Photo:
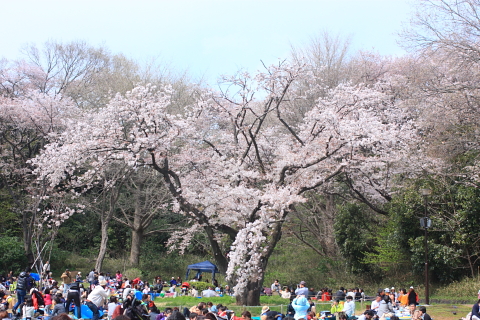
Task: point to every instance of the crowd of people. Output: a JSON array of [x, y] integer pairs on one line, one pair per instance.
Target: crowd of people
[[388, 303], [117, 297]]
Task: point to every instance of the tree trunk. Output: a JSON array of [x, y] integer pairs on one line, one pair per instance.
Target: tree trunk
[[251, 295], [27, 240], [106, 215], [103, 244], [137, 239]]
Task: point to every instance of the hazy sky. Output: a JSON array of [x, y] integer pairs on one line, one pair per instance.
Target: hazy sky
[[207, 37]]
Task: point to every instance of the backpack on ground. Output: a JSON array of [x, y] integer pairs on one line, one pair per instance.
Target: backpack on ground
[[136, 310], [37, 298]]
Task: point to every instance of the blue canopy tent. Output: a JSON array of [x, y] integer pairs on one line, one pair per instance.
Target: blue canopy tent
[[205, 266]]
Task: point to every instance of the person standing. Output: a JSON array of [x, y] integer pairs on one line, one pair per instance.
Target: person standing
[[118, 277], [73, 294], [91, 278], [24, 284], [300, 305], [67, 281], [302, 290], [97, 298], [412, 297], [46, 269]]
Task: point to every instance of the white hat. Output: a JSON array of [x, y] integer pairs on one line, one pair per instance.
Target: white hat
[[392, 288], [386, 290], [103, 282], [411, 287]]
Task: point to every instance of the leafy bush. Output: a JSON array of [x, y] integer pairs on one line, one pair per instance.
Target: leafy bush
[[12, 254], [133, 273], [200, 286]]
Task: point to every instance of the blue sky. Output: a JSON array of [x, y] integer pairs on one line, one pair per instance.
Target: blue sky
[[205, 37]]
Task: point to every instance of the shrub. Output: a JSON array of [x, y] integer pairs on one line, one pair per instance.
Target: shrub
[[200, 286], [12, 254], [133, 273]]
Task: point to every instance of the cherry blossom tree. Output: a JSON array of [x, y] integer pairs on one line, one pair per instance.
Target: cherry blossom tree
[[232, 163], [26, 122]]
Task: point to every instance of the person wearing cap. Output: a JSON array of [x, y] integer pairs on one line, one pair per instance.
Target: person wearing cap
[[412, 297], [349, 306], [300, 305], [97, 298], [267, 313], [302, 290]]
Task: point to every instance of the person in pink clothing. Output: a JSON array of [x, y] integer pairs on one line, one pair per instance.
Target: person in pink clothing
[[118, 277]]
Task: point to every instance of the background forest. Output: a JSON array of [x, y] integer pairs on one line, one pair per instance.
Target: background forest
[[308, 170]]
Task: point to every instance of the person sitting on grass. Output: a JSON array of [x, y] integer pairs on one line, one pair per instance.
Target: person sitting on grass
[[423, 313], [266, 312], [58, 307], [246, 315], [475, 311], [368, 315], [349, 307], [385, 306], [413, 310]]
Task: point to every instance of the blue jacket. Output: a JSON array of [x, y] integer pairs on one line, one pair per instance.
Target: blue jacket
[[301, 305]]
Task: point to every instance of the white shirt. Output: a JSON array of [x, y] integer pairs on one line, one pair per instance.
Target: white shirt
[[375, 305], [126, 292], [98, 295], [209, 293], [111, 308], [194, 293], [349, 308]]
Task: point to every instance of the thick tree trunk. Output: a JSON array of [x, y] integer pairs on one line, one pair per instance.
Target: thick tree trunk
[[137, 233], [251, 295], [137, 239]]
